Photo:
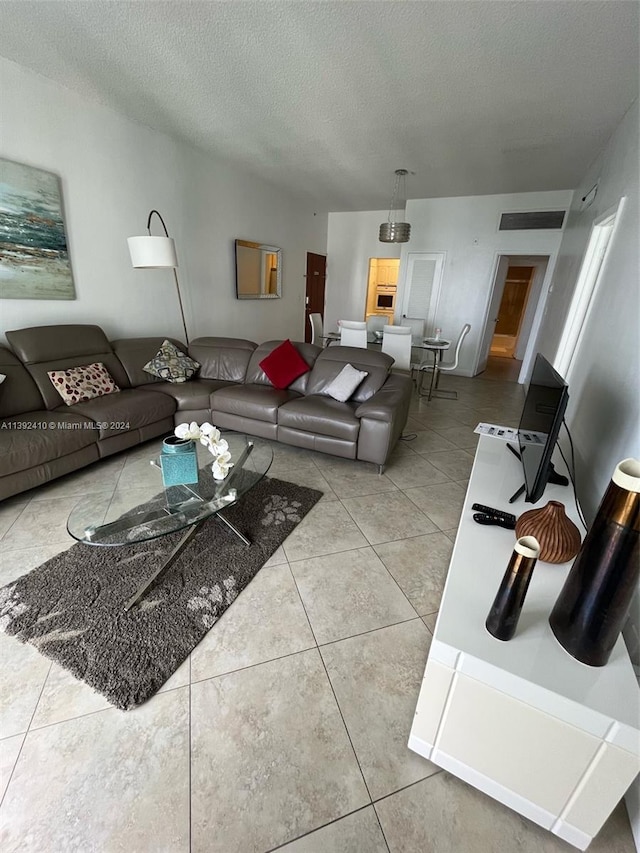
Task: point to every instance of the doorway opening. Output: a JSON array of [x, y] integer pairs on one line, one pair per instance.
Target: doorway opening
[[382, 287], [316, 277], [517, 286], [515, 300]]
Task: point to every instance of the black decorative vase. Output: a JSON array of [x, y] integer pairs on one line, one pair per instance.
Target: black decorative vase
[[594, 602], [503, 617]]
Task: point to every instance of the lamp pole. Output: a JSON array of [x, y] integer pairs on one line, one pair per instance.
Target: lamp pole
[[175, 274]]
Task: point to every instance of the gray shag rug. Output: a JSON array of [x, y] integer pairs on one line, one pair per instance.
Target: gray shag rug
[[71, 607]]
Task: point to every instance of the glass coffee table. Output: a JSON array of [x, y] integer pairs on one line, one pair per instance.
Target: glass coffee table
[[127, 515]]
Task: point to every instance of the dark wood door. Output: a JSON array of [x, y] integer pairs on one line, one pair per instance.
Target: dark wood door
[[314, 302]]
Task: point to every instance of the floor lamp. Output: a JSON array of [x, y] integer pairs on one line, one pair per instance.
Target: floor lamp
[[157, 253]]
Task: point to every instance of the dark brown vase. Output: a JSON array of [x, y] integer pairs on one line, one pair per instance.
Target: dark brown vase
[[596, 597], [558, 536], [503, 617]]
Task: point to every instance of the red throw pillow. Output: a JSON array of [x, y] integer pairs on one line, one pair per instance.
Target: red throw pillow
[[283, 365]]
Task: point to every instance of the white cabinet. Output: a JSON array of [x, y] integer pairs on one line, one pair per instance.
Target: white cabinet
[[523, 721]]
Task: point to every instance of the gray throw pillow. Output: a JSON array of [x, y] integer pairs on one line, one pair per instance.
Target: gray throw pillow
[[345, 383]]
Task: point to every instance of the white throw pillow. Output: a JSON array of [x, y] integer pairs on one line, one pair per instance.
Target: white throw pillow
[[345, 383], [2, 378]]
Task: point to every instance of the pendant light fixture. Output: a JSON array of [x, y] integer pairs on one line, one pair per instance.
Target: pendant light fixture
[[392, 231]]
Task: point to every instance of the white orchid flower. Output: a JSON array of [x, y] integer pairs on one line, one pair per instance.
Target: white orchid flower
[[191, 431], [208, 431], [219, 471], [219, 447], [209, 436]]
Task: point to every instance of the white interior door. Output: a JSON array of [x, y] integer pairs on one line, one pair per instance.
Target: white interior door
[[422, 289], [492, 312]]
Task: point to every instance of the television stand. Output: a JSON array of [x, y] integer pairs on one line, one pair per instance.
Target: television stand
[[523, 721], [554, 478]]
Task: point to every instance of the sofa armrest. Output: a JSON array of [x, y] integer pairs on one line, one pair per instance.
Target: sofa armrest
[[391, 402], [382, 419]]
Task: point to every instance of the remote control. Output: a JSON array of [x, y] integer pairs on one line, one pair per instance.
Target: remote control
[[498, 520], [489, 510]]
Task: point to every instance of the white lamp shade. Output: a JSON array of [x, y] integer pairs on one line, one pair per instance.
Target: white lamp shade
[[152, 252]]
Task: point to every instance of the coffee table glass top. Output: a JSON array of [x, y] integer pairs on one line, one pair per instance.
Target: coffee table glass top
[[140, 509]]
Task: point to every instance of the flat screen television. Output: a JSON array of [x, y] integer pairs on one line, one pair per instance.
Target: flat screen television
[[542, 415]]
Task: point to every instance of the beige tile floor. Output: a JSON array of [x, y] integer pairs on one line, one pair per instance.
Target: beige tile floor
[[287, 727]]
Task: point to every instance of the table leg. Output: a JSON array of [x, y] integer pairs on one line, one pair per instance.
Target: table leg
[[231, 527], [434, 375], [173, 556]]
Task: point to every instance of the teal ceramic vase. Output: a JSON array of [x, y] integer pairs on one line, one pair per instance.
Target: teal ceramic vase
[[179, 461]]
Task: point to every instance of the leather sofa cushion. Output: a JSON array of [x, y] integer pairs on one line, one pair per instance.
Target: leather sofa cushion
[[257, 376], [251, 401], [322, 415], [22, 449], [134, 353], [19, 392], [222, 358], [44, 343], [126, 410], [194, 394], [44, 348], [331, 361]]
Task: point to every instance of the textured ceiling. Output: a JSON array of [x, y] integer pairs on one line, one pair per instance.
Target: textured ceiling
[[328, 98]]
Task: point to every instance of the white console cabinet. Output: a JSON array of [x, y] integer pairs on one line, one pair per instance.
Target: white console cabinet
[[523, 721]]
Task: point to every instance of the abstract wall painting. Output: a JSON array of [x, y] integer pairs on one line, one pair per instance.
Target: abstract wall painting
[[34, 260]]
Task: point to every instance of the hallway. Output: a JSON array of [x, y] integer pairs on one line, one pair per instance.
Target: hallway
[[503, 369]]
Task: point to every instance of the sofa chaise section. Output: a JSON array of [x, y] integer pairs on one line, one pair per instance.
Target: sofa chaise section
[[37, 445], [122, 419]]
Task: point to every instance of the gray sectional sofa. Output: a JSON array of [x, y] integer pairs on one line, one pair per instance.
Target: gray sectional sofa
[[42, 438]]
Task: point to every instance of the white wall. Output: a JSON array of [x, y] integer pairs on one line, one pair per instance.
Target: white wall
[[352, 239], [604, 409], [604, 404], [466, 229], [113, 172]]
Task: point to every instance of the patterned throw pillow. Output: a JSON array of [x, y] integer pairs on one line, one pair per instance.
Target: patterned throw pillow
[[82, 383], [171, 364]]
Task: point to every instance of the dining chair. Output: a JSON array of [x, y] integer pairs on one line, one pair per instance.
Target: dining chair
[[396, 342], [376, 322], [316, 329], [353, 333], [418, 356], [438, 366]]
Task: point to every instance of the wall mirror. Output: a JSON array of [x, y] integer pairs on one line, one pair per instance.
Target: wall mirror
[[258, 271]]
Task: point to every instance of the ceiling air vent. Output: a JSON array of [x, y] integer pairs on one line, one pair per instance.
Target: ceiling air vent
[[536, 220]]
